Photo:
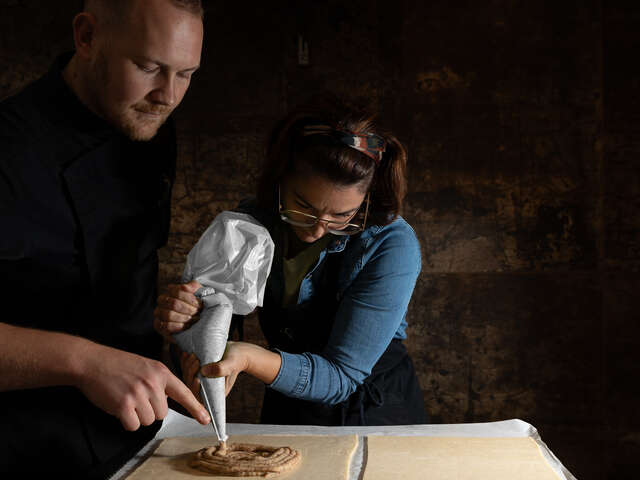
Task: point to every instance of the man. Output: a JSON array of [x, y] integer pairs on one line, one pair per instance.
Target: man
[[87, 159]]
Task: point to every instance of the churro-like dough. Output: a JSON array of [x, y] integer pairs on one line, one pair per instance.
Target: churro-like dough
[[245, 460]]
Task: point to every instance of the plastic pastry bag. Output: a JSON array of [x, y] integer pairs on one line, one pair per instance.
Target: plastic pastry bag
[[231, 260]]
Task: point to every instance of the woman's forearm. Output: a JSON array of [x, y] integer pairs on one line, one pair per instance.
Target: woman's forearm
[[263, 364]]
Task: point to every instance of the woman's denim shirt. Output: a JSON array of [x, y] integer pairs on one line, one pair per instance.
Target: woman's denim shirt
[[376, 280]]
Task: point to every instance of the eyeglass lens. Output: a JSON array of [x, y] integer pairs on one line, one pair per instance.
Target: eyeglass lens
[[300, 219]]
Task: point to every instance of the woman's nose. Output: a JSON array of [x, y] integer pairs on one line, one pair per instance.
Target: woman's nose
[[319, 230]]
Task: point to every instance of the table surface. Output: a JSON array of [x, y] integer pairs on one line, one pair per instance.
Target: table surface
[[177, 425]]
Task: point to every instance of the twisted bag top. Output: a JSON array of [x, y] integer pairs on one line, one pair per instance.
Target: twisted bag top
[[233, 256]]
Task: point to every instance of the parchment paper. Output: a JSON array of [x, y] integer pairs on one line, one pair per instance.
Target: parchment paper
[[178, 425]]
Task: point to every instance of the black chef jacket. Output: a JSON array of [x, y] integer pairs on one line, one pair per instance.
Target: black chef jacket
[[83, 210]]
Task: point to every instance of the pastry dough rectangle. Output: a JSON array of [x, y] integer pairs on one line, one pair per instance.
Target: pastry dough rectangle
[[324, 457], [455, 458]]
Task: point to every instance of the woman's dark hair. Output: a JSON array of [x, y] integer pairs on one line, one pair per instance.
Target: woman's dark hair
[[290, 151]]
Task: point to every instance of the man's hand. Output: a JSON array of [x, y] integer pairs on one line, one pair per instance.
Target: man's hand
[[133, 388], [176, 309]]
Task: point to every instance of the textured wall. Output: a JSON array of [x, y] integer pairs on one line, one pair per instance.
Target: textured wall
[[523, 128]]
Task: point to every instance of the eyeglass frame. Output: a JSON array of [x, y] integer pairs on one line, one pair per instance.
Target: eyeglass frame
[[361, 228]]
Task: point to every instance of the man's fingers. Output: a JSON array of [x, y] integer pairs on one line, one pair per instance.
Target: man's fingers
[[181, 394], [159, 406], [129, 419], [145, 413]]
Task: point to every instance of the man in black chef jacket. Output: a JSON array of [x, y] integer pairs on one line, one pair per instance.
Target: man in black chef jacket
[[87, 160]]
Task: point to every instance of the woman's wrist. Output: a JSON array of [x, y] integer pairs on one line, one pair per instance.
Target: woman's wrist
[[262, 364]]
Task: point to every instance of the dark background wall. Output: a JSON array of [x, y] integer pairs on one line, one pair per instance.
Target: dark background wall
[[522, 121]]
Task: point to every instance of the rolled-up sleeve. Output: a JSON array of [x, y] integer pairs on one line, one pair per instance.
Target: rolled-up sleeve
[[293, 376], [369, 315]]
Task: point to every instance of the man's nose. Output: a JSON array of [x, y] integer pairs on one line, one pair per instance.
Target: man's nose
[[165, 90]]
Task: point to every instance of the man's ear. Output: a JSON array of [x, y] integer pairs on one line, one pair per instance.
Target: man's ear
[[84, 34]]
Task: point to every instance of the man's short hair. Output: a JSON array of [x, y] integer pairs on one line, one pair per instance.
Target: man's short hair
[[114, 10]]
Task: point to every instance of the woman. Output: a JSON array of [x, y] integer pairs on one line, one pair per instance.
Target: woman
[[344, 270]]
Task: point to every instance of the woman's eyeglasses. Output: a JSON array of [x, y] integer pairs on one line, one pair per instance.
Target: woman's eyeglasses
[[306, 220]]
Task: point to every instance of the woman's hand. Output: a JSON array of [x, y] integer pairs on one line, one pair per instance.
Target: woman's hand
[[242, 357], [176, 309], [190, 366]]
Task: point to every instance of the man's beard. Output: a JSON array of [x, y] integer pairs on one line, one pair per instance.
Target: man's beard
[[132, 123]]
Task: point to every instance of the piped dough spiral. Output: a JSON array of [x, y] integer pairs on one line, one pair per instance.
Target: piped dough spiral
[[245, 460]]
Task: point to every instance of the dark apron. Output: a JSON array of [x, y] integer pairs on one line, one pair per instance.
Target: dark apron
[[390, 395]]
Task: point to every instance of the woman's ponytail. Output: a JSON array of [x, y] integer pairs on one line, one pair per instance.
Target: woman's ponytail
[[389, 186]]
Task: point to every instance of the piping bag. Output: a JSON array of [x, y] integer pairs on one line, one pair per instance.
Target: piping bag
[[231, 260]]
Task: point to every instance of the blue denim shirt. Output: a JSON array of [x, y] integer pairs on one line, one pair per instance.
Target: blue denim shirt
[[377, 277], [374, 292]]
